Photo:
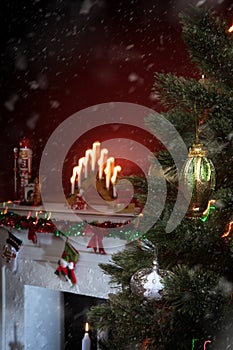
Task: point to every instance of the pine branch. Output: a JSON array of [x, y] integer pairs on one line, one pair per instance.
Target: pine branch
[[209, 44]]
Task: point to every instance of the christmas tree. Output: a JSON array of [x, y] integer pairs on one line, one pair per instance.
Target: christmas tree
[[188, 304]]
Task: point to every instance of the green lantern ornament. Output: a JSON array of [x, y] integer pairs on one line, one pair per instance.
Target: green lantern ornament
[[198, 180]]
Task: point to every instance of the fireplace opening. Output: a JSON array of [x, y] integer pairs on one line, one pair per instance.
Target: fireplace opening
[[75, 311]]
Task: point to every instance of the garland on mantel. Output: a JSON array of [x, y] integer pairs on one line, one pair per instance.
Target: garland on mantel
[[67, 228]]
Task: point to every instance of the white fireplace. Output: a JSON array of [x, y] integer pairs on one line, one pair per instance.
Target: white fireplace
[[31, 302]]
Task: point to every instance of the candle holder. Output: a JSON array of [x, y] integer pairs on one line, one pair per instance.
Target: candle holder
[[95, 170]]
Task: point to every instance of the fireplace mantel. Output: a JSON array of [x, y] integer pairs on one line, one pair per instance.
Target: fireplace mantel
[[38, 262], [41, 259]]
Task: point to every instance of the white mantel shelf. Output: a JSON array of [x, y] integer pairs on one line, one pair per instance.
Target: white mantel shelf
[[38, 262], [60, 211]]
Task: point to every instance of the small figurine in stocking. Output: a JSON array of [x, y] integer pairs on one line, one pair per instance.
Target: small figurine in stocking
[[67, 263], [11, 251]]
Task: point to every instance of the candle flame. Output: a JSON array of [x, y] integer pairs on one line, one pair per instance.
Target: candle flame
[[108, 172], [95, 145], [82, 161], [103, 153], [230, 30], [76, 171], [88, 153], [115, 171], [228, 229], [5, 210], [87, 327]]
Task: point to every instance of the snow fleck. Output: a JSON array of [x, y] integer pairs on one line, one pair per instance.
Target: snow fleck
[[33, 85], [129, 47], [161, 41], [87, 6], [10, 103], [31, 122], [149, 66], [42, 80], [21, 62], [117, 53], [200, 3], [133, 77], [131, 90], [54, 104]]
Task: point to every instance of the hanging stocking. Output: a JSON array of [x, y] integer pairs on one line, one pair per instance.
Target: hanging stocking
[[67, 263], [10, 251]]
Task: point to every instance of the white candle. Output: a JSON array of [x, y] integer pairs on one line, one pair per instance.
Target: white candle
[[103, 155], [86, 342], [108, 171], [76, 171], [116, 169], [114, 193], [83, 161], [89, 153], [72, 185], [96, 152]]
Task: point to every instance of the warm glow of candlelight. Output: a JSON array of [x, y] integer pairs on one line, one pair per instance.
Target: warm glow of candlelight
[[76, 172], [108, 171], [230, 30], [83, 161], [115, 171], [96, 151], [87, 327], [90, 153], [97, 158], [5, 210], [101, 161]]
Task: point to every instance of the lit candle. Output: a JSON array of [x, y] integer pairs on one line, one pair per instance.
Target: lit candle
[[101, 161], [72, 180], [76, 171], [90, 153], [108, 171], [83, 161], [96, 152], [86, 342], [116, 169], [138, 220]]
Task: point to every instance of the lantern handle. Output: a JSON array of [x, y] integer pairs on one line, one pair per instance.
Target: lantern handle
[[197, 131]]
